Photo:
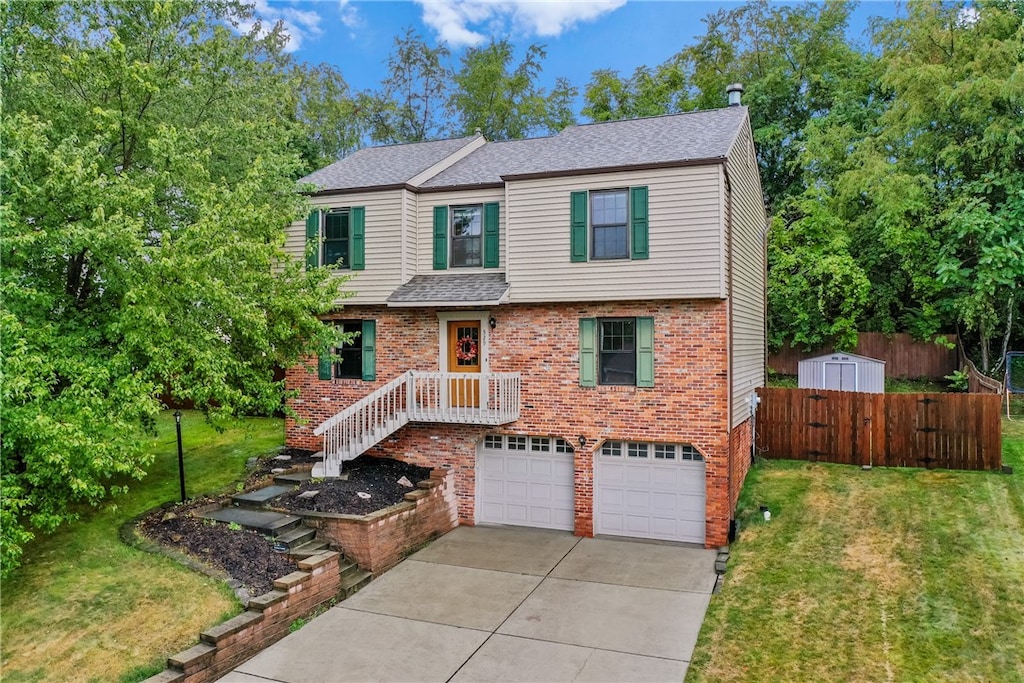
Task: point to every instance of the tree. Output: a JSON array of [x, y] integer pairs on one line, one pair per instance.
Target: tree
[[506, 103], [409, 107], [330, 121], [147, 175]]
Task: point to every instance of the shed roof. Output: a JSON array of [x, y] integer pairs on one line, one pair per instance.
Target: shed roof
[[832, 356]]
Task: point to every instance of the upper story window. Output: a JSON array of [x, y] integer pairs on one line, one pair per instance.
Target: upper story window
[[608, 225], [336, 239], [467, 236]]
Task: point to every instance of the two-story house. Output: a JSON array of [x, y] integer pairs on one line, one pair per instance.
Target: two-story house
[[574, 324]]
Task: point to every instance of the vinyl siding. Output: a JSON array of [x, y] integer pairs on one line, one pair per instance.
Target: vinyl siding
[[749, 223], [425, 226], [409, 239], [685, 235], [383, 271]]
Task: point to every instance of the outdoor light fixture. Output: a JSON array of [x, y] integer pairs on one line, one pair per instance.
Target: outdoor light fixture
[[492, 322], [583, 441], [181, 460]]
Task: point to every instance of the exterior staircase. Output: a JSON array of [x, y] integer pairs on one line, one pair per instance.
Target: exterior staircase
[[414, 396], [290, 533]]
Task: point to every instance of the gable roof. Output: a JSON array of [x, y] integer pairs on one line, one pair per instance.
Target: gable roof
[[673, 139], [384, 166], [659, 140]]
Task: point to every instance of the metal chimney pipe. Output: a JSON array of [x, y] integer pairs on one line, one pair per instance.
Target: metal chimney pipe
[[734, 91]]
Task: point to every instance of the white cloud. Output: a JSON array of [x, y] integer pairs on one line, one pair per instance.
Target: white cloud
[[298, 24], [458, 22], [349, 15], [968, 16]]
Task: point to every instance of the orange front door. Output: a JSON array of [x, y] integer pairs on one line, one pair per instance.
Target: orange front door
[[464, 356]]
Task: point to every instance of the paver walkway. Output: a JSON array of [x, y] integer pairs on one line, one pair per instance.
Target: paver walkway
[[508, 604]]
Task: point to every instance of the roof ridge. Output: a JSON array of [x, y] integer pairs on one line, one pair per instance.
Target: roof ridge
[[656, 116]]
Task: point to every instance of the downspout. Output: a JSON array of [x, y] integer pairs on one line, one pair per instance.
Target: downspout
[[729, 340]]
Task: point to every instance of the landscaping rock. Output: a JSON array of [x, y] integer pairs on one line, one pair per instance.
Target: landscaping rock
[[404, 481], [363, 495], [311, 493], [282, 457], [251, 463]]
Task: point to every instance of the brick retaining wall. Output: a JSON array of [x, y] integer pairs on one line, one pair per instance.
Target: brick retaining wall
[[267, 620]]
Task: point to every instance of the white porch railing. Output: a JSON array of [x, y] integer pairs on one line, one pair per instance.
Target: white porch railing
[[450, 397]]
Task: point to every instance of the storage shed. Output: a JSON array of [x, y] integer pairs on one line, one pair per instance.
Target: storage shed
[[842, 372]]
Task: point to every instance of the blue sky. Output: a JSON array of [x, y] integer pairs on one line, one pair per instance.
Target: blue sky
[[580, 35]]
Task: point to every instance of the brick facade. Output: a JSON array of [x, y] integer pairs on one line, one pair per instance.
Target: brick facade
[[688, 404]]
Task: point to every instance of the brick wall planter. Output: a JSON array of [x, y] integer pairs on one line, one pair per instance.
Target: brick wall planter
[[267, 620], [378, 541]]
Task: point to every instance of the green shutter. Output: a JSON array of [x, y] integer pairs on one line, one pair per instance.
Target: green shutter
[[578, 227], [440, 237], [645, 352], [638, 222], [325, 368], [368, 338], [357, 221], [588, 352], [491, 235], [313, 240]]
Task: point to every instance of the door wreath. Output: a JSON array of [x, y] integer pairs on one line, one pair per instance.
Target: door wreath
[[465, 348]]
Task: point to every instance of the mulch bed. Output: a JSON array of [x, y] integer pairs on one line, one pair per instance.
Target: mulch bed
[[249, 557]]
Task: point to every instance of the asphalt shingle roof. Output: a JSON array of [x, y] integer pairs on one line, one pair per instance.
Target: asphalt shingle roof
[[453, 289], [692, 136], [391, 165]]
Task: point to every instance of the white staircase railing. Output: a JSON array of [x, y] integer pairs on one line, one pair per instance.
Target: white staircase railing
[[463, 398]]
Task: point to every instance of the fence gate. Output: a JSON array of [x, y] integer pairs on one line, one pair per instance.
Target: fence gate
[[952, 431]]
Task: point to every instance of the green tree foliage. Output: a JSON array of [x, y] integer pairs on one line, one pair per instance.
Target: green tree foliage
[[331, 124], [505, 102], [147, 174], [409, 107]]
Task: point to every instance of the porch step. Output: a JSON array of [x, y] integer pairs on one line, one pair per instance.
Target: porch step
[[311, 547], [269, 523], [297, 536], [292, 478], [260, 497]]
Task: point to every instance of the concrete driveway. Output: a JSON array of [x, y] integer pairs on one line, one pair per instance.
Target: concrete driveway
[[508, 604]]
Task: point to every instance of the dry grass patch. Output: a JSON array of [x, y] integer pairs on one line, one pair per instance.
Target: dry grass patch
[[880, 575]]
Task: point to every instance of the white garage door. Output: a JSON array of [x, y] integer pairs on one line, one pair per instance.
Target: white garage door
[[525, 481], [648, 490]]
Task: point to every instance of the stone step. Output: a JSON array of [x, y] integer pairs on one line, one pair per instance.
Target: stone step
[[266, 522], [260, 497], [307, 549], [348, 568], [292, 478], [297, 536], [354, 582]]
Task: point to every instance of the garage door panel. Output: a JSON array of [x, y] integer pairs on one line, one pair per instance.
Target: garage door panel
[[647, 498], [536, 488]]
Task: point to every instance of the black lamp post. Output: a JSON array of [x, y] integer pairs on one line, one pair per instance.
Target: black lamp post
[[181, 459]]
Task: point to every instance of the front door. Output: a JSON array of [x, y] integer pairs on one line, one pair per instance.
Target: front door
[[464, 357]]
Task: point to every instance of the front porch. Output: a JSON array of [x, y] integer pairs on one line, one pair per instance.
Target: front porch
[[483, 398]]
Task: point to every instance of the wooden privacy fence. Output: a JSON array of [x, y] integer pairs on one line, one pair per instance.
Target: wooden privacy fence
[[952, 431], [903, 356]]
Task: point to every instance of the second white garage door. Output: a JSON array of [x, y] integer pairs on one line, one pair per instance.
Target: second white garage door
[[525, 481], [649, 490]]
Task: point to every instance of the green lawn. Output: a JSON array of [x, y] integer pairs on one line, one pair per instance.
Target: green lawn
[[893, 385], [84, 606], [880, 575]]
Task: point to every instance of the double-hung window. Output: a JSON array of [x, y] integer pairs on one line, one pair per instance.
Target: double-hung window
[[357, 357], [336, 237], [608, 224], [617, 351], [467, 236]]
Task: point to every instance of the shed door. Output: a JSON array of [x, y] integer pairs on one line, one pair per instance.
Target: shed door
[[841, 376]]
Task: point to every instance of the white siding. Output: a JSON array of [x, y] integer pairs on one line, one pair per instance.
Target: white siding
[[749, 223], [383, 271], [685, 235], [425, 226]]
